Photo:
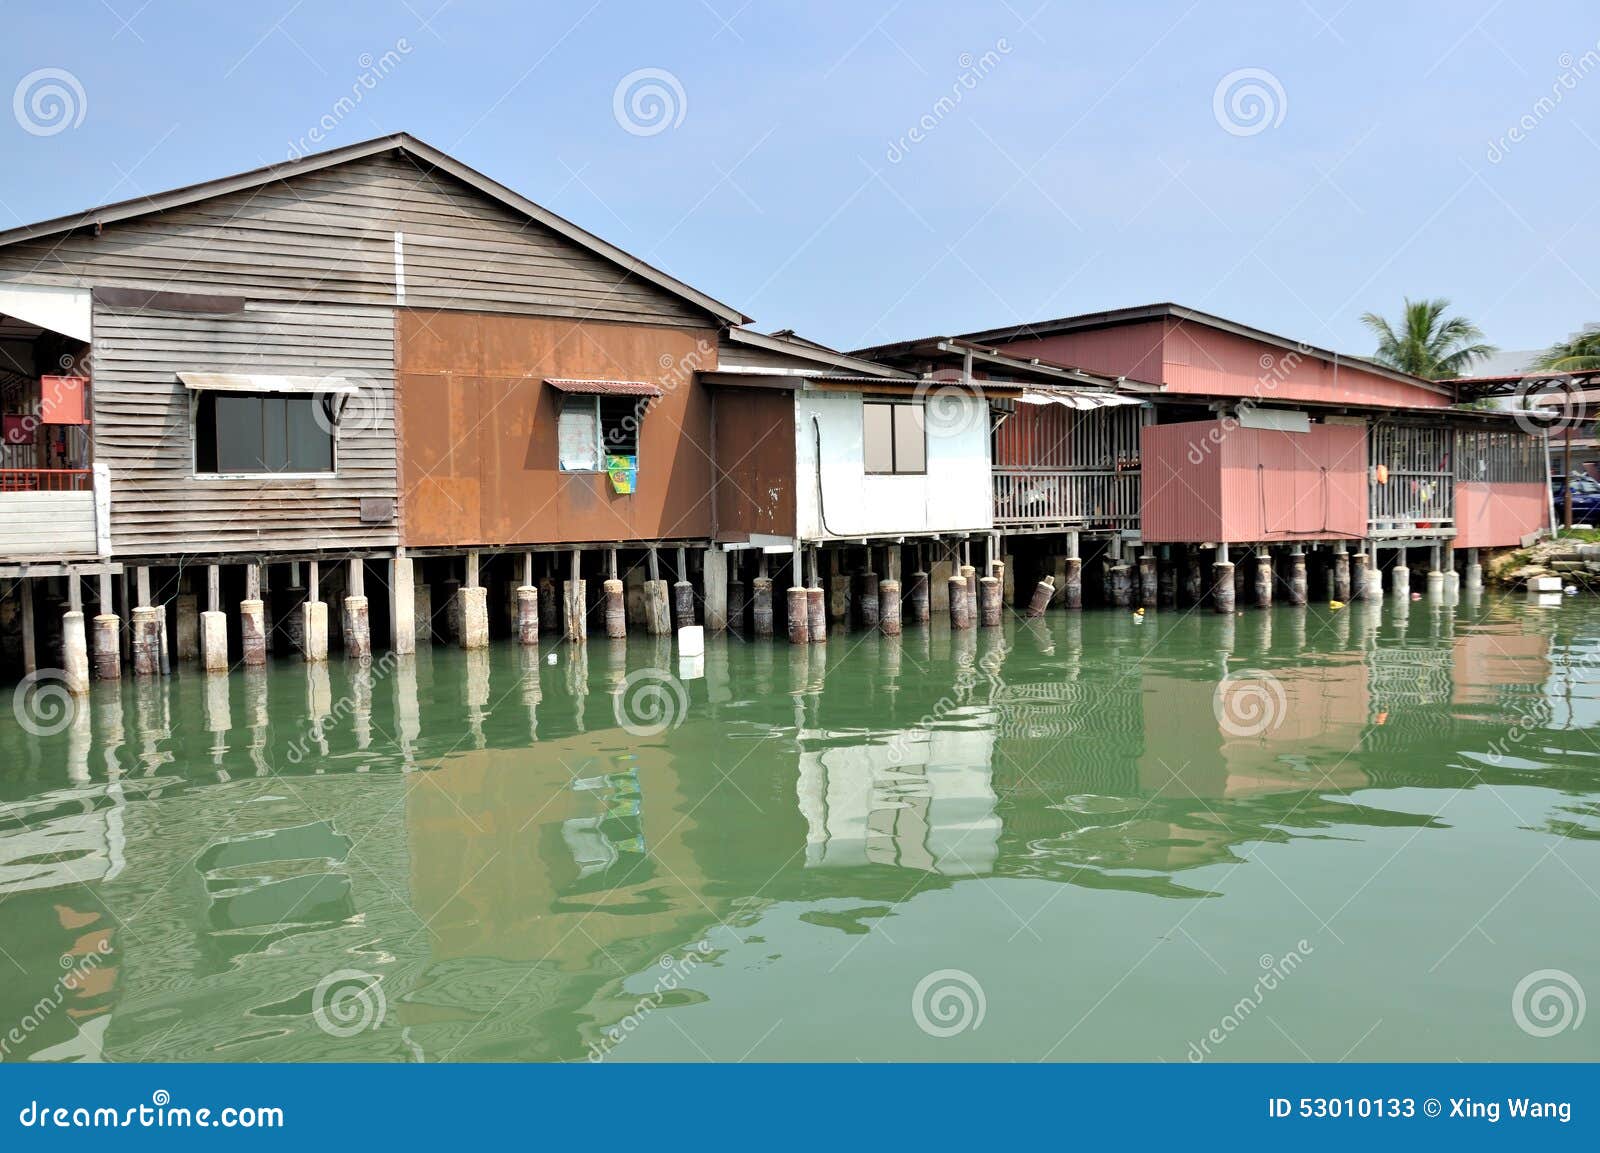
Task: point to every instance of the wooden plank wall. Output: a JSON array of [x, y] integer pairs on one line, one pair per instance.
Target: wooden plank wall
[[46, 525], [143, 432], [315, 256]]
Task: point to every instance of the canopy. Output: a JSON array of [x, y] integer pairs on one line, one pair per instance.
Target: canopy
[[605, 387], [1082, 401], [254, 382]]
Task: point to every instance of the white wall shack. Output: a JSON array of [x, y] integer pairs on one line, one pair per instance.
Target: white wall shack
[[954, 495]]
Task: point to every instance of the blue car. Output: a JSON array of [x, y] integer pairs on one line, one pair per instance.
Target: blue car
[[1585, 499]]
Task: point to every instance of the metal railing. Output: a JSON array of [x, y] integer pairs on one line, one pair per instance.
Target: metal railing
[[1097, 499], [46, 480]]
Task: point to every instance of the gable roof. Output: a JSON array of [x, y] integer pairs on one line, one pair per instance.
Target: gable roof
[[1167, 309], [788, 344], [406, 145]]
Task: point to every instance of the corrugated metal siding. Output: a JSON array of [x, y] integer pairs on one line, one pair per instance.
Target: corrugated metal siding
[[46, 525], [143, 431], [755, 465], [1490, 515], [1131, 350], [1205, 361], [1211, 481], [329, 235], [1181, 489]]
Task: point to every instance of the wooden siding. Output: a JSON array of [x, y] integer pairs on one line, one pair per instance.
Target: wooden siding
[[330, 236], [144, 435], [477, 423], [755, 464], [46, 525]]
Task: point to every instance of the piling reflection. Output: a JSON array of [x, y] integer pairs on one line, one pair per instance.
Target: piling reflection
[[478, 832]]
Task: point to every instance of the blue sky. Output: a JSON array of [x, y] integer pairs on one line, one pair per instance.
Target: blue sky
[[1089, 163]]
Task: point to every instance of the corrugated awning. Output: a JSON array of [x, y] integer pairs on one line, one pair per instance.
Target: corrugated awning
[[605, 387], [260, 382], [1082, 401]]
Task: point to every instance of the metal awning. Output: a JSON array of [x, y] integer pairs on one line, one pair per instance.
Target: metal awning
[[605, 387], [1082, 401], [257, 382]]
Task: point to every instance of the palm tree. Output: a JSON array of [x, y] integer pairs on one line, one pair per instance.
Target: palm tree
[[1580, 353], [1428, 344]]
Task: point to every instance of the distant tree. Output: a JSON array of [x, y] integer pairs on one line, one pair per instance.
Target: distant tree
[[1579, 354], [1428, 343]]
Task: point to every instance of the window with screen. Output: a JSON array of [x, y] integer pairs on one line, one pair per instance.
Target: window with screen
[[592, 428], [263, 432], [893, 438]]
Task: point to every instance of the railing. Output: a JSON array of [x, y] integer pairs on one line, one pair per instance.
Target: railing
[[46, 480], [1412, 481], [1087, 499]]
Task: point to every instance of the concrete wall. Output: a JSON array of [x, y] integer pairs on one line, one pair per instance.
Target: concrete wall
[[954, 495]]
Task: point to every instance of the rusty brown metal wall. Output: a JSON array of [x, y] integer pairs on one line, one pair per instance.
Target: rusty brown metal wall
[[477, 428], [755, 453]]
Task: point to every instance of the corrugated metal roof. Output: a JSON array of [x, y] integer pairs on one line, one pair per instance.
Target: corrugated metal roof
[[605, 387]]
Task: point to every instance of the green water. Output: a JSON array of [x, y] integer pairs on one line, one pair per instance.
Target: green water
[[1037, 842]]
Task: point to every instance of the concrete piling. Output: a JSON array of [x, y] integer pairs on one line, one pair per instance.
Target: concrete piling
[[616, 609], [314, 631], [816, 614], [528, 614], [1474, 571], [1297, 576], [714, 582], [1149, 590], [889, 608], [799, 615], [761, 605], [1435, 574], [990, 591], [919, 597], [867, 599], [575, 602], [186, 610], [683, 593], [1043, 593], [1341, 573], [1194, 587], [74, 651], [357, 625], [549, 605], [1263, 577], [472, 613], [1072, 583], [960, 617], [147, 629], [1222, 586], [107, 646], [1122, 585], [1360, 577], [969, 587], [402, 605], [1400, 576]]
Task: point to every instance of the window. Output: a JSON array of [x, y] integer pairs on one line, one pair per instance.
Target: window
[[893, 439], [263, 432], [592, 428]]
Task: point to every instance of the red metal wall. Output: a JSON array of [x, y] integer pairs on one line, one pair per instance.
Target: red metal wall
[[1197, 360], [1214, 481], [1489, 515]]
